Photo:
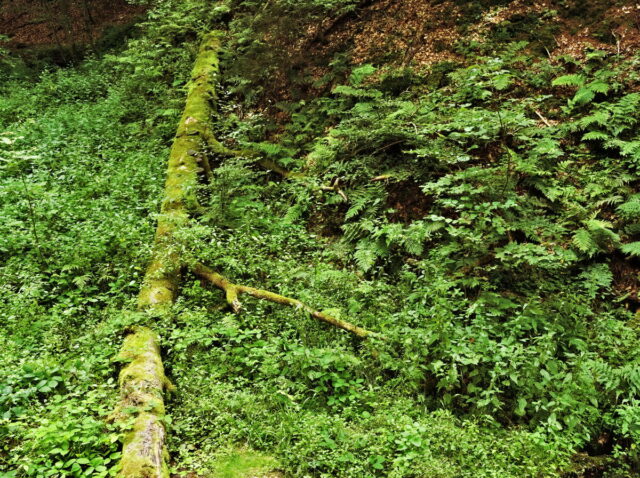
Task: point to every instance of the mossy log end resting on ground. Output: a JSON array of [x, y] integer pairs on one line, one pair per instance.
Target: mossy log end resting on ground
[[142, 381], [233, 291]]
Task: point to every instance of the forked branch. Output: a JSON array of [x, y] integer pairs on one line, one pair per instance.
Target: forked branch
[[233, 292]]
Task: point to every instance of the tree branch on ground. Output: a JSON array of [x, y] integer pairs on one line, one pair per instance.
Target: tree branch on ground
[[233, 292]]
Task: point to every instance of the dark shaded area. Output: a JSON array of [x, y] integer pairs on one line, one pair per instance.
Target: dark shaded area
[[408, 202], [62, 32]]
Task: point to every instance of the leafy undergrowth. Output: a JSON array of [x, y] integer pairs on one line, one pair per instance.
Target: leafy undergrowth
[[488, 206]]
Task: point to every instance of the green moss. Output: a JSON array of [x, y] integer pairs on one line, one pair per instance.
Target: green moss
[[240, 463], [207, 62], [142, 380], [138, 343], [157, 293]]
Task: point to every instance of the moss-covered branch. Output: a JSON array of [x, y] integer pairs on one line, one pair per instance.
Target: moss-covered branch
[[233, 291]]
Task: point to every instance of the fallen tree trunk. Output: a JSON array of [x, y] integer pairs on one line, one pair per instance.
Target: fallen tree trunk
[[142, 384], [193, 136], [142, 381]]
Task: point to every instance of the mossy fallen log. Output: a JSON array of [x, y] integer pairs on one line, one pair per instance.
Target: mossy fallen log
[[142, 381], [192, 138]]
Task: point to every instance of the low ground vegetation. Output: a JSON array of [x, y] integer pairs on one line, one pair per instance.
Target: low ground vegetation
[[480, 214]]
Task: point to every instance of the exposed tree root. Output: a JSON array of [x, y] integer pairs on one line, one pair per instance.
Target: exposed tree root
[[382, 177], [142, 381], [233, 291], [335, 187]]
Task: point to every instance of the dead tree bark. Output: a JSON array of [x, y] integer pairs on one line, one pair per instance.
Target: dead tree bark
[[142, 381]]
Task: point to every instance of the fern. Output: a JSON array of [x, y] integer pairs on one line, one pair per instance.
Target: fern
[[599, 117], [358, 204], [365, 201], [294, 213], [601, 230], [586, 92], [599, 87], [415, 237], [598, 276], [595, 237], [632, 248], [583, 96], [569, 80], [367, 253], [359, 74], [631, 208], [502, 82], [584, 242], [609, 201], [271, 150], [628, 148], [595, 136]]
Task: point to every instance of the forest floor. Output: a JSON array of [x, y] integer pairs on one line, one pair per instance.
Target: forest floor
[[29, 24], [466, 184]]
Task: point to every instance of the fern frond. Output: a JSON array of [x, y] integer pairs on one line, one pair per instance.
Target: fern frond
[[601, 233], [569, 80], [630, 209], [609, 201], [632, 249], [367, 199], [368, 252], [599, 117], [583, 96], [584, 242], [599, 87], [595, 136]]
